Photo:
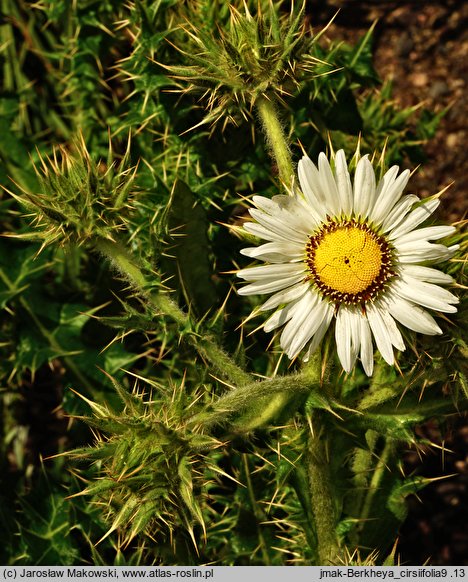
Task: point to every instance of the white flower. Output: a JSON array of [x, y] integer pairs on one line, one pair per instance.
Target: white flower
[[347, 252]]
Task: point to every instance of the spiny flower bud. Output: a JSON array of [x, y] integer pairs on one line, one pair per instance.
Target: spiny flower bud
[[79, 199], [251, 57], [151, 464]]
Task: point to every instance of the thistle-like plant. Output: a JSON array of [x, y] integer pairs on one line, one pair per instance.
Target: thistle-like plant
[[250, 58], [152, 467], [80, 200]]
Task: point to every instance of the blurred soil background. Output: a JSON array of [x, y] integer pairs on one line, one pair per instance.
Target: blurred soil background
[[422, 46]]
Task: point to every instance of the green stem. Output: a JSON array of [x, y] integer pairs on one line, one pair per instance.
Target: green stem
[[374, 485], [276, 140], [259, 403], [206, 345], [321, 495], [259, 515], [124, 262], [320, 479]]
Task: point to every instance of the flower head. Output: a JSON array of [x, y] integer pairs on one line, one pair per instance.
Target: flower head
[[80, 198], [248, 58], [349, 252]]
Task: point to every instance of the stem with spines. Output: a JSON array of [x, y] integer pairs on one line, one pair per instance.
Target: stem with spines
[[318, 468], [321, 494], [206, 345], [276, 139]]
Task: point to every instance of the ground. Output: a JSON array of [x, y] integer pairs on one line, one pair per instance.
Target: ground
[[422, 47]]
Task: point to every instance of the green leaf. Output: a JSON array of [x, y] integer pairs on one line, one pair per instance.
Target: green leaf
[[44, 529], [190, 267], [429, 122], [396, 502], [19, 266], [344, 114], [397, 421], [361, 59], [186, 489]]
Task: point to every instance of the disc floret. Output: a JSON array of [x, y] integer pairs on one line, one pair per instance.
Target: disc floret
[[348, 261]]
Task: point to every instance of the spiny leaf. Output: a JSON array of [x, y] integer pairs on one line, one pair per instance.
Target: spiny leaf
[[396, 502], [187, 224]]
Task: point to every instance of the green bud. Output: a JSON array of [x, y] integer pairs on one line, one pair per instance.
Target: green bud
[[249, 58], [80, 199], [151, 468]]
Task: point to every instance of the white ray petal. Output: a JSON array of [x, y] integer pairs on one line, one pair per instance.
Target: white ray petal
[[327, 181], [265, 204], [364, 187], [347, 342], [309, 180], [294, 329], [291, 210], [422, 251], [412, 316], [426, 294], [392, 329], [380, 332], [421, 234], [276, 252], [321, 331], [270, 272], [280, 317], [389, 191], [269, 286], [309, 326], [285, 296], [367, 348], [343, 182], [414, 219], [265, 233], [426, 274], [399, 212], [285, 229]]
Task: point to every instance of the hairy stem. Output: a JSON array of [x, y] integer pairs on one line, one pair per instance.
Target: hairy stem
[[374, 485], [320, 481], [321, 495], [206, 345], [276, 139], [259, 402]]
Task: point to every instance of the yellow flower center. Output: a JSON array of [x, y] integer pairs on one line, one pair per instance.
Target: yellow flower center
[[348, 261]]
